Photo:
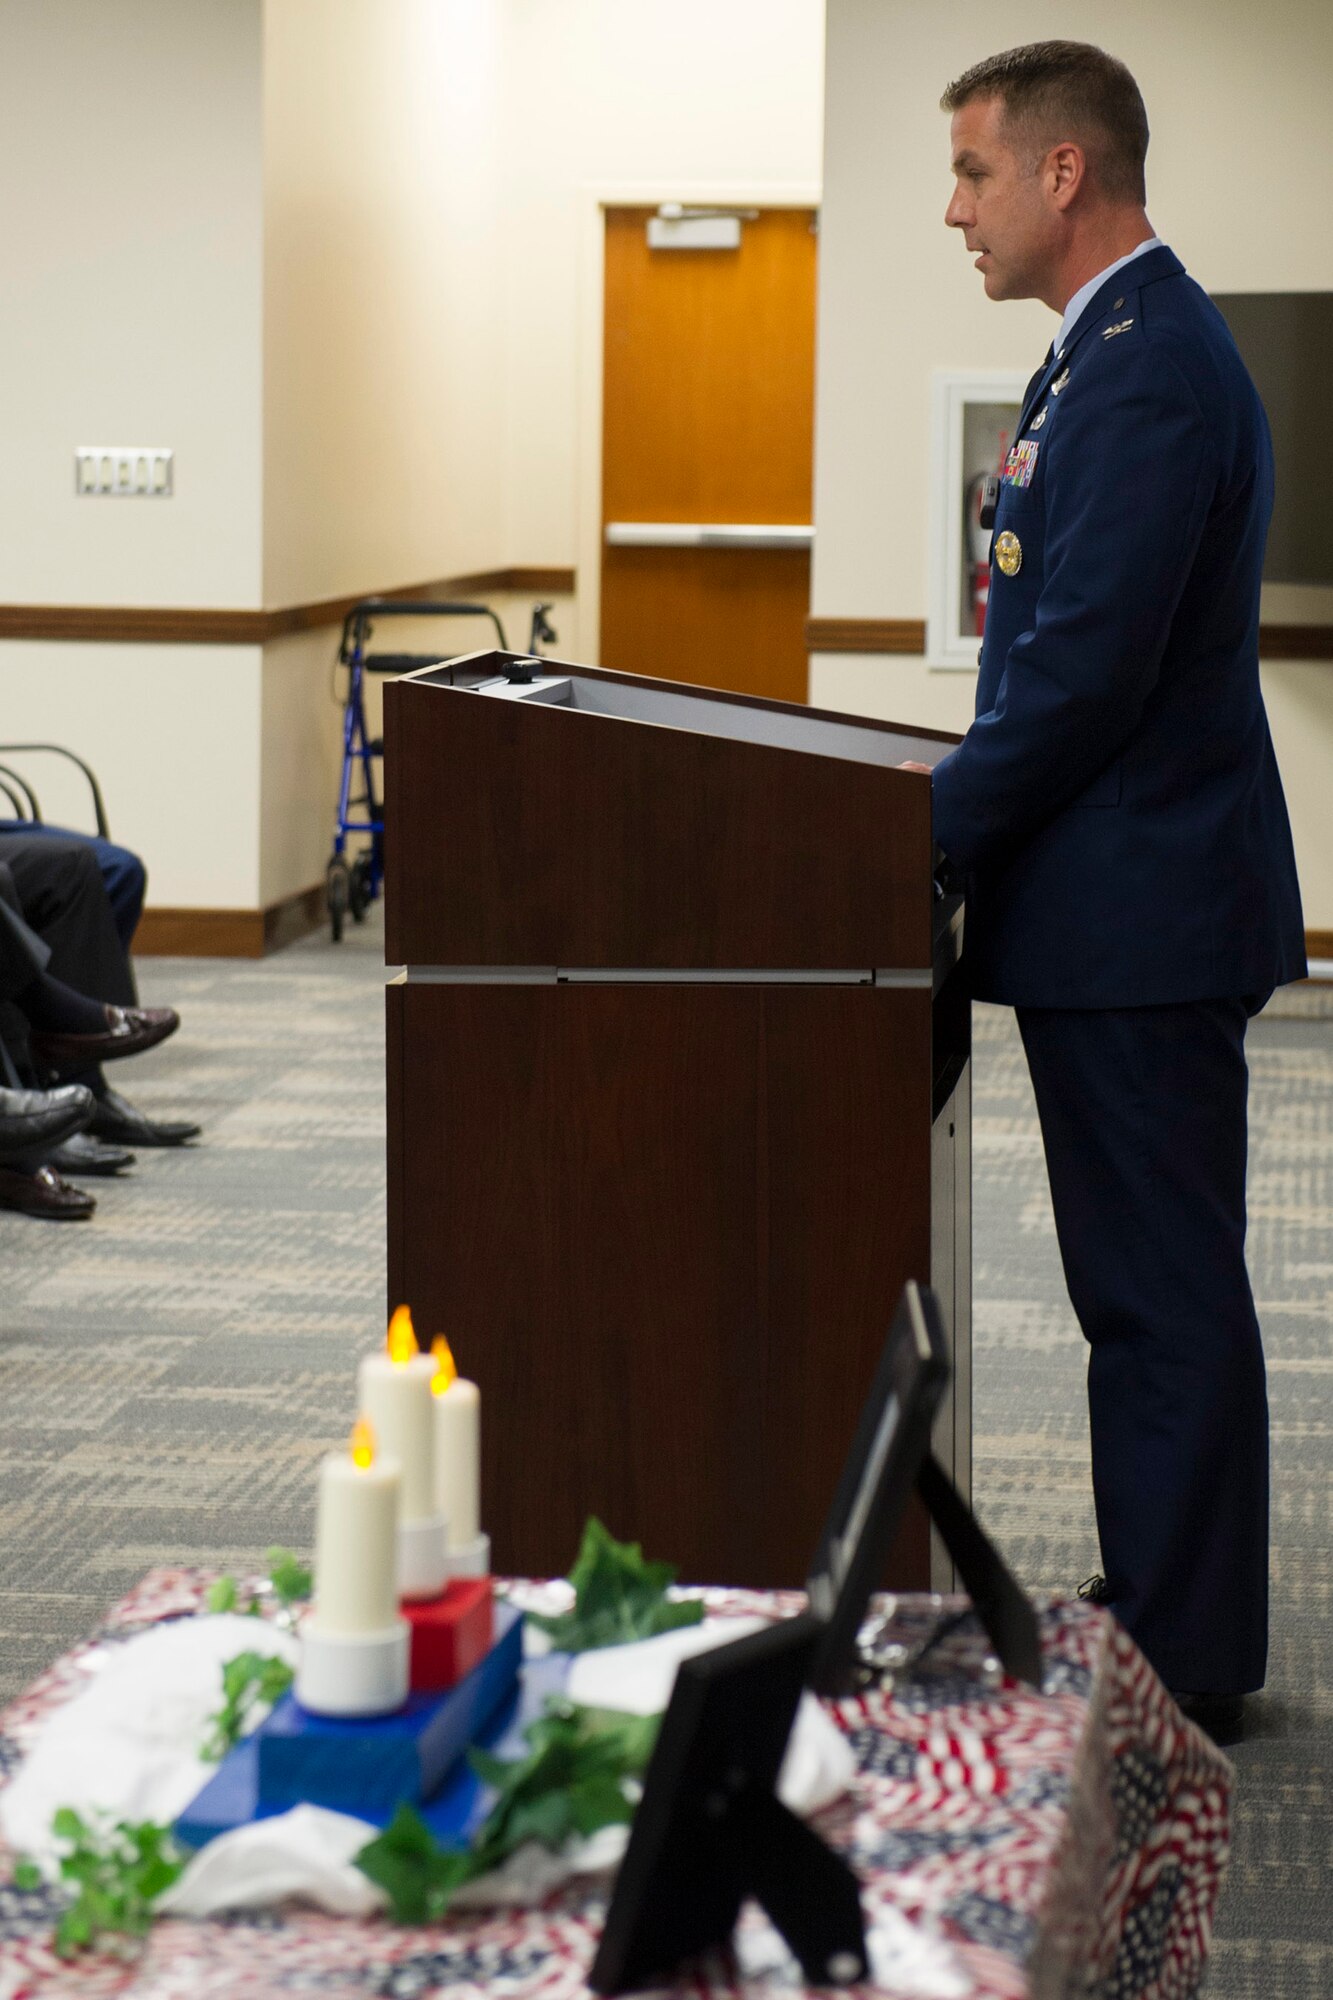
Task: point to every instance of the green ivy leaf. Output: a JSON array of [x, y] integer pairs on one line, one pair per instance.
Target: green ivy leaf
[[223, 1595], [27, 1875], [618, 1596], [599, 1802], [290, 1579], [251, 1683], [119, 1871], [572, 1781], [415, 1872]]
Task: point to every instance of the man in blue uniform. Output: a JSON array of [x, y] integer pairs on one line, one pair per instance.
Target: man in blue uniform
[[1117, 811]]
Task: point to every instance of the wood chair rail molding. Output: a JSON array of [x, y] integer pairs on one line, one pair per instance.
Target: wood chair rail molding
[[908, 635], [185, 626], [204, 933], [865, 635]]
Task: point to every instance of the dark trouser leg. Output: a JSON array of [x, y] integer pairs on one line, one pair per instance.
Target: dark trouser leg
[[22, 953], [60, 887], [1143, 1116], [123, 874]]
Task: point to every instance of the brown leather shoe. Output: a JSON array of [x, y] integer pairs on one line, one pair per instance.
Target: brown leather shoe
[[129, 1031], [43, 1193]]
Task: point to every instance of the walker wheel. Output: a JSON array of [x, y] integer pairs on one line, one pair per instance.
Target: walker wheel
[[338, 893], [358, 888]]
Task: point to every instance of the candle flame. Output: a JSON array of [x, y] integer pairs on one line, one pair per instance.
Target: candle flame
[[362, 1446], [446, 1368], [402, 1340]]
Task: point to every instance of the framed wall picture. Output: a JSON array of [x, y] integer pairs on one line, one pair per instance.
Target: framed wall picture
[[974, 415]]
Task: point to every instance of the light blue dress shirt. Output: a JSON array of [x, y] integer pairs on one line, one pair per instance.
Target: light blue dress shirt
[[1085, 292]]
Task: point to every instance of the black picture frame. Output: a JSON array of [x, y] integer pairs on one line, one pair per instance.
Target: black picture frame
[[710, 1831], [891, 1445]]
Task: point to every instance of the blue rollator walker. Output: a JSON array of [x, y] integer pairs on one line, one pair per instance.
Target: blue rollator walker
[[355, 884]]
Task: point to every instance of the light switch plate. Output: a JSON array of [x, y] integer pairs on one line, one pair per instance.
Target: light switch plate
[[124, 471]]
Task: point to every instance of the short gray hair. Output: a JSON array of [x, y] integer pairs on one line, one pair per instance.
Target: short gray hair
[[1068, 90]]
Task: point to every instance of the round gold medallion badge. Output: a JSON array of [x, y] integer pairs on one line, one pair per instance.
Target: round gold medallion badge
[[1009, 552]]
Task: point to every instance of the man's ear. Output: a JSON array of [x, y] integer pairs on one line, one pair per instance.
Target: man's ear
[[1064, 171]]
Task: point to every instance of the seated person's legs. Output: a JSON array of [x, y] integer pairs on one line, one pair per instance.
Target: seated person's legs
[[124, 876], [63, 898], [32, 1123]]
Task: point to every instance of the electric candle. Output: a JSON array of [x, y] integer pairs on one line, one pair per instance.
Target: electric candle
[[356, 1547], [355, 1643], [457, 1447], [394, 1391]]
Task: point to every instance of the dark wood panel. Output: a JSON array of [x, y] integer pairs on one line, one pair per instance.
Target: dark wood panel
[[538, 835], [397, 1088], [664, 1229], [727, 618], [185, 625]]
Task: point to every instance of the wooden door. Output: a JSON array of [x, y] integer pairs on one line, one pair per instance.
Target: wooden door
[[708, 420]]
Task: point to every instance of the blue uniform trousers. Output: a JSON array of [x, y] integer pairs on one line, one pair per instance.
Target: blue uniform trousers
[[1143, 1116]]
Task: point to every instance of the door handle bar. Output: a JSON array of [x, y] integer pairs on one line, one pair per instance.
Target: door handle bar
[[708, 535]]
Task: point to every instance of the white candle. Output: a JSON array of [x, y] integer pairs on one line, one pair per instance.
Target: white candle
[[457, 1448], [356, 1539], [393, 1389]]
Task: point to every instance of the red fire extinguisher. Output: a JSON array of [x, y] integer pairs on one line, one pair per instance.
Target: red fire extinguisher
[[982, 494]]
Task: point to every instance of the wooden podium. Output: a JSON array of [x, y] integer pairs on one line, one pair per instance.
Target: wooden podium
[[678, 1097]]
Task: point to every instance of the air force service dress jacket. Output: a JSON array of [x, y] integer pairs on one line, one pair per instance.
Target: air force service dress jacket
[[1116, 805]]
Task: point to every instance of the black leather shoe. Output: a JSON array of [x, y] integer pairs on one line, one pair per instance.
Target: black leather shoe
[[1221, 1716], [33, 1121], [128, 1032], [1095, 1589], [116, 1121], [85, 1155], [44, 1194]]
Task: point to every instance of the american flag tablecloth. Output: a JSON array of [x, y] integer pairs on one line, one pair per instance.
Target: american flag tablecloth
[[1070, 1843]]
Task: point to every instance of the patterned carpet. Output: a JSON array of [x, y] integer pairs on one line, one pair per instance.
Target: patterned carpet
[[170, 1373]]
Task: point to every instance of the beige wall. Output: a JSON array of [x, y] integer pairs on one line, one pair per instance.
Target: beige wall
[[299, 746], [429, 171], [669, 98], [173, 733], [1239, 130], [384, 121], [129, 240]]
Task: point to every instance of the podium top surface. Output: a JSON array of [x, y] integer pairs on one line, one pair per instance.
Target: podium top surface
[[778, 725], [585, 819]]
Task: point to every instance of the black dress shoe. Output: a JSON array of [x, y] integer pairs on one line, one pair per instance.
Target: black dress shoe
[[1095, 1589], [43, 1193], [116, 1121], [85, 1155], [1221, 1716], [33, 1121], [128, 1032]]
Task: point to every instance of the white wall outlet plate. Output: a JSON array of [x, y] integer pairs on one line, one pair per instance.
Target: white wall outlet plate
[[126, 471]]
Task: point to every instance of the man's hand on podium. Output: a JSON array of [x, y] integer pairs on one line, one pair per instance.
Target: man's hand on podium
[[927, 769]]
